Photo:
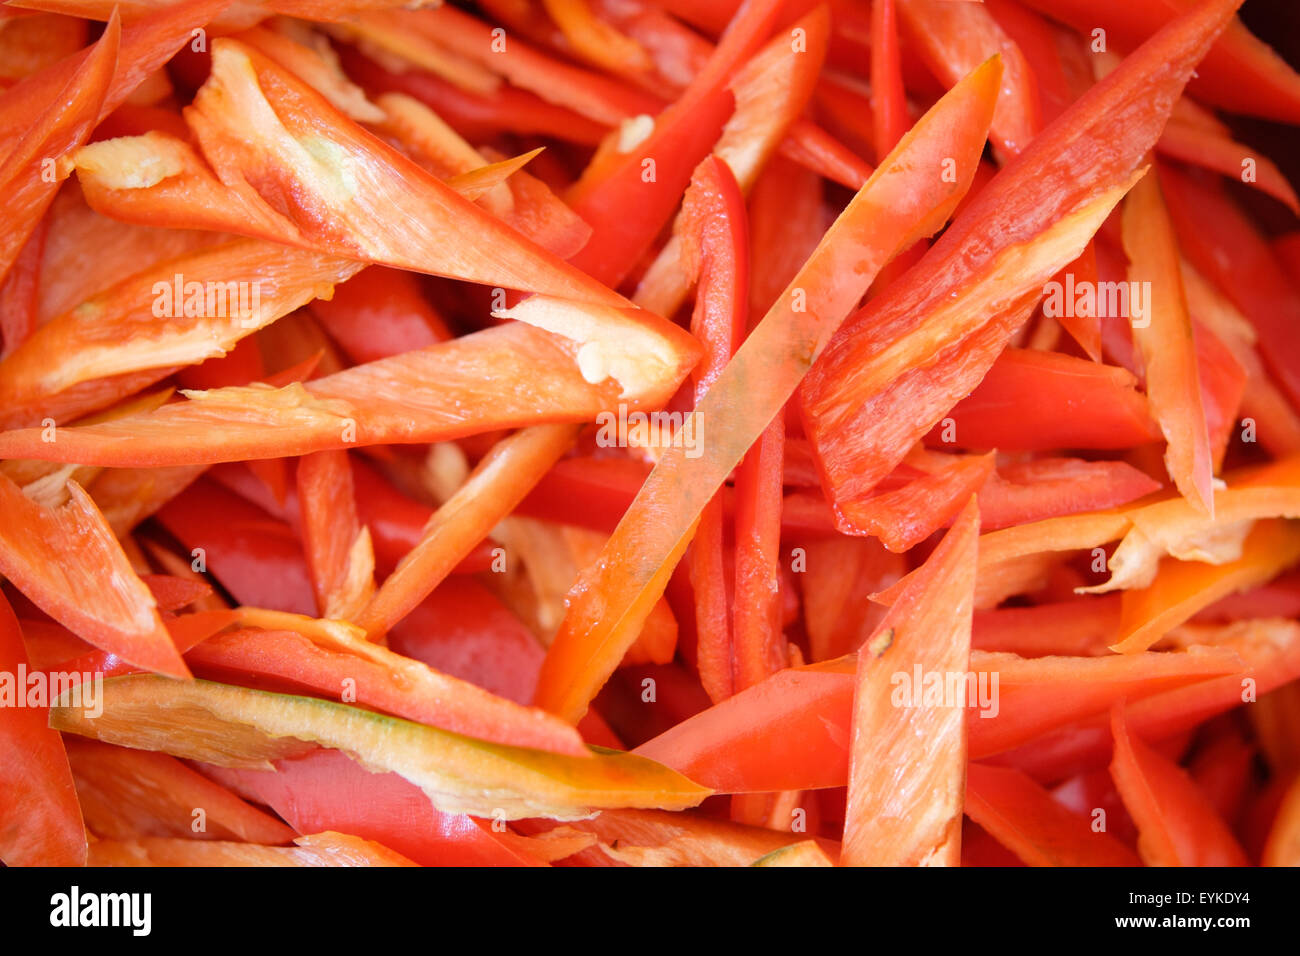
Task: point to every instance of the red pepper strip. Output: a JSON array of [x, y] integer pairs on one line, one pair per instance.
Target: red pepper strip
[[1038, 40], [1222, 769], [340, 558], [316, 849], [250, 283], [1240, 72], [650, 838], [356, 223], [1224, 381], [26, 179], [462, 629], [173, 593], [1069, 165], [67, 561], [841, 574], [1060, 402], [498, 484], [127, 794], [380, 312], [396, 522], [954, 38], [325, 790], [1028, 491], [86, 253], [522, 201], [19, 292], [888, 98], [771, 91], [1182, 588], [908, 515], [595, 40], [31, 43], [587, 93], [1026, 819], [1204, 148], [255, 557], [1167, 344], [240, 366], [1177, 826], [819, 152], [609, 603], [310, 65], [715, 241], [657, 642], [475, 116], [628, 196], [434, 394], [1038, 695], [1084, 329], [1279, 598], [787, 220], [1226, 248], [735, 746], [381, 680], [1271, 652], [145, 46], [1277, 425], [1283, 845], [1077, 628], [40, 820], [907, 762], [758, 643]]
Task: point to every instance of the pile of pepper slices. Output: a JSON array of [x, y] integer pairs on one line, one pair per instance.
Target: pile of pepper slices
[[314, 552]]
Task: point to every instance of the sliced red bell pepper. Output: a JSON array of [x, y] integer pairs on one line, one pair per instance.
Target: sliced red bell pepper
[[1022, 492], [612, 600], [1240, 72], [1167, 344], [490, 494], [67, 561], [627, 196], [954, 38], [432, 394], [381, 679], [735, 745], [1270, 651], [1181, 588], [1177, 826], [1026, 819], [200, 308], [19, 298], [841, 575], [126, 794], [1222, 769], [255, 557], [771, 91], [237, 726], [650, 838], [339, 555], [1227, 248], [40, 819], [59, 127], [475, 115], [146, 45], [1078, 628], [863, 423], [906, 516], [325, 790], [907, 752], [396, 522], [380, 312], [316, 849]]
